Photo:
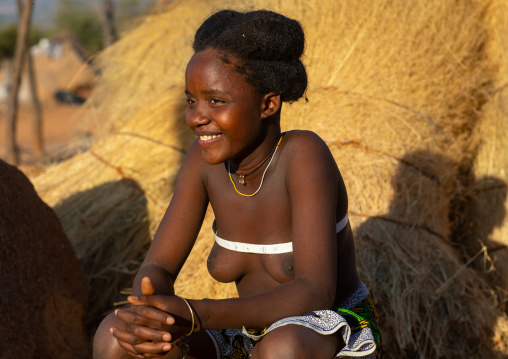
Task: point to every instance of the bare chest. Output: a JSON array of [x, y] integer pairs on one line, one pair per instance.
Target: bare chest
[[262, 219]]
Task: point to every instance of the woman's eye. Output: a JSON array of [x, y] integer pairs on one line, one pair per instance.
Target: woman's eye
[[190, 101], [216, 101]]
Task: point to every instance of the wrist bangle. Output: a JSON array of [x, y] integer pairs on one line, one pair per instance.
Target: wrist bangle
[[192, 314]]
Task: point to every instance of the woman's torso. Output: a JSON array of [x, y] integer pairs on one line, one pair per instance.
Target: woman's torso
[[266, 219]]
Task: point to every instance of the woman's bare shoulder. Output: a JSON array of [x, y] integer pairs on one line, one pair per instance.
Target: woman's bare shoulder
[[304, 135], [193, 173], [304, 145], [193, 160], [310, 164]]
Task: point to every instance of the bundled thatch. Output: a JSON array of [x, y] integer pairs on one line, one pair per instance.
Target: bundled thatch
[[488, 179], [398, 91]]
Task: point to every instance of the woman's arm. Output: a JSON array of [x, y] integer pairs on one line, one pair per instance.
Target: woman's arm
[[170, 248], [179, 227]]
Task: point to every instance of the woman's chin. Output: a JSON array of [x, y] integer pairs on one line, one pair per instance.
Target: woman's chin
[[212, 159]]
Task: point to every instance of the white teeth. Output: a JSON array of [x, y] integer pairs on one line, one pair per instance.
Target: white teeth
[[207, 137]]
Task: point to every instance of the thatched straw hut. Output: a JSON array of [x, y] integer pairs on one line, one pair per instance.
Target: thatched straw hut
[[398, 90]]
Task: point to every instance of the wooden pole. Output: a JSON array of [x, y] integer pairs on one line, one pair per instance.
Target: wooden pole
[[12, 153], [37, 129], [109, 29], [37, 122]]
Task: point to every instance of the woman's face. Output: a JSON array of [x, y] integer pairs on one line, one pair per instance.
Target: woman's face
[[225, 112]]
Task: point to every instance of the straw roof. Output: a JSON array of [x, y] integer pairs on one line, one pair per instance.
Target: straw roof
[[401, 93]]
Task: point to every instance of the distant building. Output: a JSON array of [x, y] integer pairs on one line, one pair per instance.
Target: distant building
[[60, 64]]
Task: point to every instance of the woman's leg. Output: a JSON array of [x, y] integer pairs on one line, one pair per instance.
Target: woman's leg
[[105, 345], [295, 342]]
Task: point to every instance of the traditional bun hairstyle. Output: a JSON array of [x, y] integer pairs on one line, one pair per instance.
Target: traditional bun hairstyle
[[267, 47]]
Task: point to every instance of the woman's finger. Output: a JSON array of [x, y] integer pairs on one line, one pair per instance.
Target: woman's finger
[[126, 337], [162, 302], [138, 334], [133, 316], [147, 286], [130, 350], [153, 314], [143, 334], [153, 348]]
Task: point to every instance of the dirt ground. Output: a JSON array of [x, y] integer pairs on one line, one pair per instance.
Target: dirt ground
[[60, 128]]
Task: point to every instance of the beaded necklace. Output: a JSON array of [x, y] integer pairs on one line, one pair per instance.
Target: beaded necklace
[[255, 168], [242, 174]]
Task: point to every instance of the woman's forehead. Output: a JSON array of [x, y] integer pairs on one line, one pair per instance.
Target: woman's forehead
[[208, 60], [208, 66]]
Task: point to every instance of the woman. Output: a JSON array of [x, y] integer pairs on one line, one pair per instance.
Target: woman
[[281, 226]]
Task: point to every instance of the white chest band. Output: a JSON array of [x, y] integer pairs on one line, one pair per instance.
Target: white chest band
[[266, 248]]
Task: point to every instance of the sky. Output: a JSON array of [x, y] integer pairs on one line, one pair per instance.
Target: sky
[[43, 10]]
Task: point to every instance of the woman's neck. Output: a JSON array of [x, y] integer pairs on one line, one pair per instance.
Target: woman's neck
[[259, 152]]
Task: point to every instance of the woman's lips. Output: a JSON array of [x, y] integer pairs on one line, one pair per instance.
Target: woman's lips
[[208, 139]]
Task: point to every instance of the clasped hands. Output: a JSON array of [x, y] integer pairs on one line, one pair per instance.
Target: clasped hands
[[150, 331]]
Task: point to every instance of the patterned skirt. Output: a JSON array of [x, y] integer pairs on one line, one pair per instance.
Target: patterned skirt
[[355, 319]]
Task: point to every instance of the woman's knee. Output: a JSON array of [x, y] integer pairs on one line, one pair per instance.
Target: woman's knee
[[105, 345], [296, 342]]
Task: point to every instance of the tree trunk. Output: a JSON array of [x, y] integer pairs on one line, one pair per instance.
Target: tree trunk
[[37, 130], [36, 107], [109, 30], [12, 152]]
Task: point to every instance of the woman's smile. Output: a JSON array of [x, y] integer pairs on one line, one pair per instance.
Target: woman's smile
[[205, 140]]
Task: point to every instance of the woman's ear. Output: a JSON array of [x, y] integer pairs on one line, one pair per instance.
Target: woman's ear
[[271, 104]]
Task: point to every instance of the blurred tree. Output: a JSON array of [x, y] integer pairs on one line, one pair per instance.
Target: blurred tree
[[129, 13], [8, 35], [82, 19], [128, 9], [96, 22]]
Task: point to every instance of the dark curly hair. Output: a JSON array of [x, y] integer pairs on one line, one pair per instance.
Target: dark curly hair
[[267, 47]]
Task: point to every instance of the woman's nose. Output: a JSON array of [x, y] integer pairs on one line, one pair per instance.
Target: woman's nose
[[196, 116]]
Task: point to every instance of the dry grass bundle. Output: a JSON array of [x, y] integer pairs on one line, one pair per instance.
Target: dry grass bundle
[[489, 178], [422, 287], [395, 89]]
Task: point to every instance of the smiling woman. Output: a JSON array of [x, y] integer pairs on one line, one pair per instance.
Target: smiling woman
[[284, 239]]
